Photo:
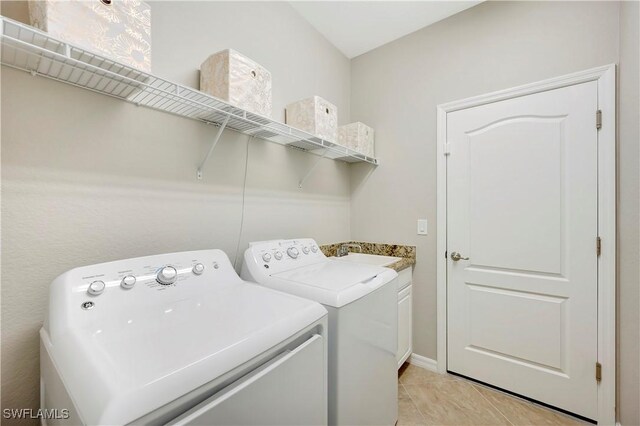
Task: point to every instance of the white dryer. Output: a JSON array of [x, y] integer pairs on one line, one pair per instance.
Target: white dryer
[[363, 323], [180, 339]]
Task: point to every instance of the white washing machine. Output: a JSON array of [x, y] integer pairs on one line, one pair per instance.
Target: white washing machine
[[180, 339], [363, 323]]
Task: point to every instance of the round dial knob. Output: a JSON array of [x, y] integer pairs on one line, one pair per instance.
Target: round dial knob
[[305, 250], [96, 288], [198, 268], [128, 282], [293, 252], [277, 255], [314, 248], [167, 275], [266, 257]]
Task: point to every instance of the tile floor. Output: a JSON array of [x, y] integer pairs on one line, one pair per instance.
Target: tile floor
[[427, 398]]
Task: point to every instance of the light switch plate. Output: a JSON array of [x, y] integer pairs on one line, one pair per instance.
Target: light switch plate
[[422, 226]]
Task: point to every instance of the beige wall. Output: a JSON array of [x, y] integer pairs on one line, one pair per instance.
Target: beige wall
[[629, 217], [492, 46], [87, 178]]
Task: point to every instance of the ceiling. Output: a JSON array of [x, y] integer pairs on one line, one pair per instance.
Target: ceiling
[[356, 27]]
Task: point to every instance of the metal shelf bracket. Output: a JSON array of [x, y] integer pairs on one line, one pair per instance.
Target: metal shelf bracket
[[213, 145], [326, 151]]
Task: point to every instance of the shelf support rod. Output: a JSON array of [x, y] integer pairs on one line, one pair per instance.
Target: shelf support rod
[[326, 151], [213, 145]]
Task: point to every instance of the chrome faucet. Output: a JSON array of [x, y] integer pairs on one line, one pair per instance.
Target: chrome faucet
[[344, 249]]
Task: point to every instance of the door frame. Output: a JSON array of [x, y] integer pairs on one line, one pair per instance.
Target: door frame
[[606, 79]]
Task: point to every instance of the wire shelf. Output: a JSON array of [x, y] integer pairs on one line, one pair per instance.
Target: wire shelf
[[28, 49]]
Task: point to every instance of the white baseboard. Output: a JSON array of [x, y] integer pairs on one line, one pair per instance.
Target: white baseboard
[[424, 362]]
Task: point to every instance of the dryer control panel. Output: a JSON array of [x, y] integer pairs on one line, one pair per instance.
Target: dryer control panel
[[154, 272], [105, 292], [282, 255]]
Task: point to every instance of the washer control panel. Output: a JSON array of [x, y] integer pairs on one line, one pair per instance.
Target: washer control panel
[[281, 255]]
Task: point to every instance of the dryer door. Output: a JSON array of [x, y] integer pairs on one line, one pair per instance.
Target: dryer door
[[288, 390]]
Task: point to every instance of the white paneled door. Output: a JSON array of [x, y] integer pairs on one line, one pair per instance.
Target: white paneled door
[[522, 219]]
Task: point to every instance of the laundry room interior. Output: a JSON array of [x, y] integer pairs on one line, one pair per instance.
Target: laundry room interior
[[320, 212]]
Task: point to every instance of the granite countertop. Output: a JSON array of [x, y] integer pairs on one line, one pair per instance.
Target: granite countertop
[[402, 264], [407, 253]]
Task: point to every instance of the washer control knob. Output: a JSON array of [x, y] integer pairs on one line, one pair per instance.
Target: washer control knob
[[305, 250], [314, 248], [128, 282], [266, 257], [167, 275], [96, 288], [293, 252], [278, 255], [198, 268]]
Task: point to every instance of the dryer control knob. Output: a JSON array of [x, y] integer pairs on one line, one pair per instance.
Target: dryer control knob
[[96, 288], [305, 250], [266, 257], [198, 268], [293, 252], [314, 248], [128, 282], [277, 255], [167, 275]]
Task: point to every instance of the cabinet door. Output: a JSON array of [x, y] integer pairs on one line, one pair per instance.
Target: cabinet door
[[404, 325], [289, 390]]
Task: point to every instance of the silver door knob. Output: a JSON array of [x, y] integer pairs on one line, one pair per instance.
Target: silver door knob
[[455, 256]]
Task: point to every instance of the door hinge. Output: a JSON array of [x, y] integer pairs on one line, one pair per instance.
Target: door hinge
[[445, 254], [598, 246], [598, 372], [447, 149], [598, 119]]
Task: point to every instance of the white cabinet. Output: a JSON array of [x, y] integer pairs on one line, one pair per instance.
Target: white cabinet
[[405, 328]]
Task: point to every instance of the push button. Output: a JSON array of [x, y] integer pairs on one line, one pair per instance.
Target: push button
[[96, 288], [198, 268], [128, 282]]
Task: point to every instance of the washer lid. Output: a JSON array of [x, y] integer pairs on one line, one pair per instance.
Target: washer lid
[[124, 362], [335, 283]]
